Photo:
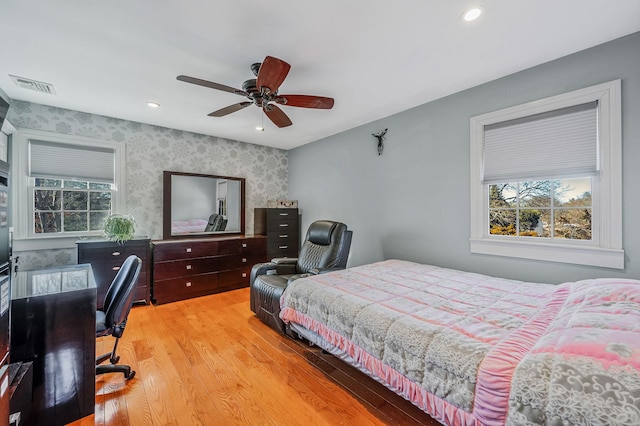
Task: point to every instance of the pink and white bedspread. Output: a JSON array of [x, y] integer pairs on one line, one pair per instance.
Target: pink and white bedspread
[[188, 226], [471, 349]]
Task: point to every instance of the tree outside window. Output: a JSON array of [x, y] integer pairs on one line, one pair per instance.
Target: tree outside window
[[559, 209], [62, 205]]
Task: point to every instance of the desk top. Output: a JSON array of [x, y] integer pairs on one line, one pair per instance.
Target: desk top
[[51, 281]]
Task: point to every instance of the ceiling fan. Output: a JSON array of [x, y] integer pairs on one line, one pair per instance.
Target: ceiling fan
[[262, 91]]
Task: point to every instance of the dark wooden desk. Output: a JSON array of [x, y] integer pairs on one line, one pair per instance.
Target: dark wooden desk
[[53, 317]]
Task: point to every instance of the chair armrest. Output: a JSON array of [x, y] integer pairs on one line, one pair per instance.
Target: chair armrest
[[260, 269], [284, 260], [318, 271]]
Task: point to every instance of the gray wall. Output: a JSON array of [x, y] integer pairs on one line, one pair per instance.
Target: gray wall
[[192, 197], [413, 201]]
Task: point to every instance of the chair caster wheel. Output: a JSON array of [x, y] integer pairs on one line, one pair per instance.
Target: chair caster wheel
[[130, 376], [114, 360]]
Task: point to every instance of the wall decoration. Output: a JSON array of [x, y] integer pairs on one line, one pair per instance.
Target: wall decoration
[[380, 137]]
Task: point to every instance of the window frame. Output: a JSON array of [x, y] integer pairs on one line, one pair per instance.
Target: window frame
[[22, 210], [605, 248]]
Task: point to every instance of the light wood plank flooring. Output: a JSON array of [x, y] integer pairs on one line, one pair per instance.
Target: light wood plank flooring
[[210, 361]]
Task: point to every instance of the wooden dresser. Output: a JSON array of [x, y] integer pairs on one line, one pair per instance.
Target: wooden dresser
[[106, 257], [282, 229], [194, 267]]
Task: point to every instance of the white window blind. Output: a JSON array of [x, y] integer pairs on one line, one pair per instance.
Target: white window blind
[[559, 143], [51, 159]]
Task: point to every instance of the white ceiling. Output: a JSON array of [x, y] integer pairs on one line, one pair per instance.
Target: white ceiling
[[375, 57]]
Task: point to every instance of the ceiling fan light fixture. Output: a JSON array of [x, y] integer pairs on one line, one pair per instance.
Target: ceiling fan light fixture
[[472, 13]]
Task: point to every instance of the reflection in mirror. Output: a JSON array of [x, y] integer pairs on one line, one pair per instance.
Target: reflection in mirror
[[201, 205]]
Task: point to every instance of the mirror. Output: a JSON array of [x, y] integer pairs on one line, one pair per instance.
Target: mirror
[[196, 205]]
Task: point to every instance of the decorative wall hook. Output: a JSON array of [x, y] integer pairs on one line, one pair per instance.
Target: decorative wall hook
[[380, 137]]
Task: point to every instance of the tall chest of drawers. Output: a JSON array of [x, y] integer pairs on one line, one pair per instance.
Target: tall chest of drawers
[[282, 229], [106, 257], [188, 268]]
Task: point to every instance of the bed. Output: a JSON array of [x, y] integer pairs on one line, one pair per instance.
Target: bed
[[188, 226], [471, 349]]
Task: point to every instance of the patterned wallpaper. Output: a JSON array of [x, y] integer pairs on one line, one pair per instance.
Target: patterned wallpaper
[[150, 150]]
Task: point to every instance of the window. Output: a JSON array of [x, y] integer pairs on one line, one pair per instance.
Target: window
[[62, 205], [546, 179], [65, 186], [556, 209]]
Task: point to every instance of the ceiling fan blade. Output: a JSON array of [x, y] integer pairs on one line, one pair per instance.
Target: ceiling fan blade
[[272, 73], [305, 101], [277, 115], [211, 85], [228, 110]]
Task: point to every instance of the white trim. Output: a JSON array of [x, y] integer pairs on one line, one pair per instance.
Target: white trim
[[606, 246], [23, 240], [579, 255]]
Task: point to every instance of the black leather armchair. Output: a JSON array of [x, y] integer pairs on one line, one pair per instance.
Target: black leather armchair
[[214, 223], [325, 249], [112, 319]]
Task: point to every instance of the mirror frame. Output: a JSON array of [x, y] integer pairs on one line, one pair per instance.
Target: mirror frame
[[166, 206]]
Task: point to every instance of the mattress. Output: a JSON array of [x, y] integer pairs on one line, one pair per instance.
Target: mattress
[[474, 349], [188, 226]]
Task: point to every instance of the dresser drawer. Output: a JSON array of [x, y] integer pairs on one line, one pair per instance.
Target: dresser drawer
[[186, 267], [289, 236], [184, 250], [279, 215], [279, 224], [107, 254], [256, 245], [234, 278], [142, 292], [235, 262], [184, 288]]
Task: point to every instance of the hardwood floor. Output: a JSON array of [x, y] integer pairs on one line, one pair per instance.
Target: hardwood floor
[[210, 361]]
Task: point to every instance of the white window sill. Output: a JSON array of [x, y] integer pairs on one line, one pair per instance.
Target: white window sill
[[579, 255], [49, 242]]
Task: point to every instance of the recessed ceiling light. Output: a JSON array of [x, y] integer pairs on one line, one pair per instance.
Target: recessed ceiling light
[[472, 14], [153, 104], [259, 129]]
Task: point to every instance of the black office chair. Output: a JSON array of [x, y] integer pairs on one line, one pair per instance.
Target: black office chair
[[325, 249], [112, 319]]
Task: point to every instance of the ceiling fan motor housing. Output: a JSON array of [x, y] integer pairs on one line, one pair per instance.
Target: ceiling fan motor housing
[[255, 68], [253, 92]]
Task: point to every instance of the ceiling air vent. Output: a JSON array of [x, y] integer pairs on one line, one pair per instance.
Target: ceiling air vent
[[38, 86]]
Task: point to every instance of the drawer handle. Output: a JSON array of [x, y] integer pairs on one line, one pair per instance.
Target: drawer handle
[[284, 225], [188, 249], [284, 214], [115, 253], [284, 236], [244, 260], [115, 268], [188, 267], [188, 284], [283, 247], [244, 275]]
